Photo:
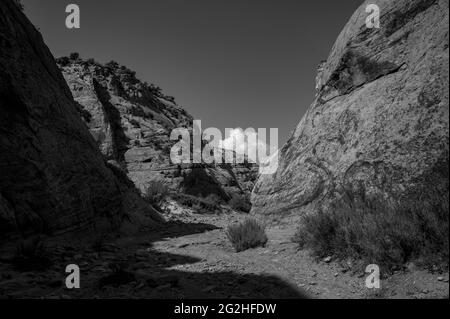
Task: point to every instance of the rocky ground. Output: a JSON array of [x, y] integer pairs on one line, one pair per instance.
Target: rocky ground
[[192, 258]]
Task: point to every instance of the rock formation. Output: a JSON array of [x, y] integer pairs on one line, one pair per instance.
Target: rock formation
[[131, 122], [380, 120], [52, 176]]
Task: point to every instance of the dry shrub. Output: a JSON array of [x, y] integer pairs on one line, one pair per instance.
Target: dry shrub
[[156, 193], [248, 234], [378, 231], [240, 203]]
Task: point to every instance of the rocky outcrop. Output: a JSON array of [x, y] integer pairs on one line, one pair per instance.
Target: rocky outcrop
[[131, 122], [380, 120], [52, 176]]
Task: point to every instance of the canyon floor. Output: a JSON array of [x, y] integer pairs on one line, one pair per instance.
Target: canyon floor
[[192, 258]]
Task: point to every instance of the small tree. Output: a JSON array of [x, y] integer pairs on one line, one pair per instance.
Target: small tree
[[240, 203], [156, 192], [248, 234]]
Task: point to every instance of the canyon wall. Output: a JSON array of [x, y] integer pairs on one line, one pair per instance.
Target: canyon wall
[[132, 121], [379, 123], [53, 178]]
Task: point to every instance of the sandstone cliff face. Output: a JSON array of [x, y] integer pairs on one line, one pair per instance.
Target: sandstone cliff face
[[52, 176], [380, 119], [131, 122]]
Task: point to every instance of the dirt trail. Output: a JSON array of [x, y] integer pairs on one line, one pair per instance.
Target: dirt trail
[[282, 258], [192, 258]]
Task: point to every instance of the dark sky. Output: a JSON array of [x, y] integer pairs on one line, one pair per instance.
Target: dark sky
[[234, 63]]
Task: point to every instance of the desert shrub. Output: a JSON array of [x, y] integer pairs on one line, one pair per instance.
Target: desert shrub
[[112, 65], [201, 184], [156, 192], [63, 61], [248, 234], [198, 204], [74, 56], [379, 231], [32, 255], [240, 203]]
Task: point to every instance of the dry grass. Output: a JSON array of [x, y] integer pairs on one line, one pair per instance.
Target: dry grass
[[156, 193], [240, 203], [379, 231], [248, 234]]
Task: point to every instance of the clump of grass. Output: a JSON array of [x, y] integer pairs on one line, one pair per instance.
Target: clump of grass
[[208, 205], [240, 203], [248, 234], [379, 231], [156, 193], [32, 255]]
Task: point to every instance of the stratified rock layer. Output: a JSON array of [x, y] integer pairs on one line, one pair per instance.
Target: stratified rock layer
[[379, 122], [52, 176]]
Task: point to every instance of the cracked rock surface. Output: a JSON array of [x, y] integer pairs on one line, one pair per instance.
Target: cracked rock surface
[[380, 117]]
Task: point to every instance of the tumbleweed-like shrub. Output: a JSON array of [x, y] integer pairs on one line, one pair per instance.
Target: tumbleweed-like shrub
[[248, 234]]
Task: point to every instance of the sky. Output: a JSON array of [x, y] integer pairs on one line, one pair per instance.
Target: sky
[[234, 63]]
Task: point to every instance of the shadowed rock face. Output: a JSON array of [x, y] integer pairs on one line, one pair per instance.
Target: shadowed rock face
[[132, 121], [379, 121], [52, 176]]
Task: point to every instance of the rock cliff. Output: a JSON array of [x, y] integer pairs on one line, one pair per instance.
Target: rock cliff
[[379, 122], [131, 122], [53, 178]]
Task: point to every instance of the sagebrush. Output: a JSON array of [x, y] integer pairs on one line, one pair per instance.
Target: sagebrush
[[156, 193], [379, 231], [240, 203], [32, 254], [247, 234]]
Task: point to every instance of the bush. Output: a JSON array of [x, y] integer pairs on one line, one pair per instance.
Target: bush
[[32, 255], [74, 56], [248, 234], [240, 203], [63, 61], [379, 231], [156, 192]]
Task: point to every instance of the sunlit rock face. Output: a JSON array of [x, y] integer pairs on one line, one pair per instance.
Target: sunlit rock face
[[379, 122], [132, 122], [53, 178]]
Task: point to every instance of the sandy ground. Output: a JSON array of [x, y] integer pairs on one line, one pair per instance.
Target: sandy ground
[[192, 258]]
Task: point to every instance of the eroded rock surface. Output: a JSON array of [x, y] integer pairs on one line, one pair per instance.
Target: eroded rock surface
[[380, 118], [132, 122], [52, 176]]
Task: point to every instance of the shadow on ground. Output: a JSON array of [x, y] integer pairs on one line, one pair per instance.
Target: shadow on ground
[[131, 268]]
